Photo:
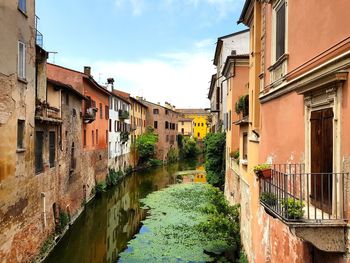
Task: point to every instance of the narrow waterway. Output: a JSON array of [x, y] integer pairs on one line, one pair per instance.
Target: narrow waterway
[[109, 222]]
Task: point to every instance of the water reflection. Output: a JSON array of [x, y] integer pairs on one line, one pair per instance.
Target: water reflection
[[109, 222]]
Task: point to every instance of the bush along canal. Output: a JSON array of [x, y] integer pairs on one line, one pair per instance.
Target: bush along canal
[[187, 223]]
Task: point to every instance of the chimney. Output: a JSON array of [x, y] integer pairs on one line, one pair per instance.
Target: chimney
[[87, 70], [110, 84], [233, 53]]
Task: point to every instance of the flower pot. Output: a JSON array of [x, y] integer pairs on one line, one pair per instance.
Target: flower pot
[[266, 173]]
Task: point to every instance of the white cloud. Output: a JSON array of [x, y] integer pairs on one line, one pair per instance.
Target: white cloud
[[180, 78], [223, 7]]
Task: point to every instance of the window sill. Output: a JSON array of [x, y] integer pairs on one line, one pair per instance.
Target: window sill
[[22, 80], [22, 12], [20, 150], [244, 162], [279, 62]]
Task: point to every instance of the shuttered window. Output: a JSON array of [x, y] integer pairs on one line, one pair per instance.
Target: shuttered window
[[39, 142], [280, 30], [52, 148]]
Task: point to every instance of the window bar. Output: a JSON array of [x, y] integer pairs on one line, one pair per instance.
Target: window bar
[[315, 193], [322, 175], [285, 194], [301, 189], [308, 196], [335, 195], [329, 196]]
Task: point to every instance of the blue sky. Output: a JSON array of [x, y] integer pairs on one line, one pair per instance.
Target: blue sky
[[159, 49]]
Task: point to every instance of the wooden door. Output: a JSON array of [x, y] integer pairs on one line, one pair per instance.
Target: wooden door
[[322, 158]]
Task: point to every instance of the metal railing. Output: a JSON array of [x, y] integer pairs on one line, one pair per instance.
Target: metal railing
[[294, 195], [39, 38], [47, 112]]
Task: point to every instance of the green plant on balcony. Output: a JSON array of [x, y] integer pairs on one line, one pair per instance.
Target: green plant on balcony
[[242, 105], [269, 199], [123, 114], [235, 155], [124, 137], [293, 208]]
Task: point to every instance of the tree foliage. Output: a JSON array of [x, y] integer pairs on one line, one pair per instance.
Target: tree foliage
[[188, 146], [146, 145], [214, 148]]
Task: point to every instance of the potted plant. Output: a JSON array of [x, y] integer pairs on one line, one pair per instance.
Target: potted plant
[[269, 199], [235, 155], [293, 208], [263, 170]]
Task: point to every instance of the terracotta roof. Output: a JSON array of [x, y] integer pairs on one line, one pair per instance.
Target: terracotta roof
[[138, 101], [122, 95], [193, 111]]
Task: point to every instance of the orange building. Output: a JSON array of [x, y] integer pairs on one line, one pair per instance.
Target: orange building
[[95, 116], [299, 118], [236, 71]]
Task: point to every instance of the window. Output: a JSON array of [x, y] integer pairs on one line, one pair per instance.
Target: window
[[106, 113], [96, 137], [229, 120], [110, 149], [155, 111], [115, 105], [22, 5], [67, 98], [52, 148], [199, 135], [155, 124], [115, 126], [93, 137], [21, 60], [39, 142], [245, 146], [20, 134], [183, 131], [106, 136], [280, 29], [110, 125], [110, 100], [166, 125], [84, 138], [182, 123], [166, 112], [101, 112], [194, 124]]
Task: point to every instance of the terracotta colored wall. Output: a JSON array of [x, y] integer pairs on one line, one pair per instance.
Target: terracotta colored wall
[[282, 130], [239, 88], [100, 124]]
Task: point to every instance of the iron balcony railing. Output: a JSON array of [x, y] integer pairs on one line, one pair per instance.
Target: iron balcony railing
[[296, 196]]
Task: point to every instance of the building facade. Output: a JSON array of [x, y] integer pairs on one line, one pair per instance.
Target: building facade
[[119, 131], [21, 228], [95, 115], [236, 70], [232, 44], [164, 121], [138, 113], [199, 126], [298, 119]]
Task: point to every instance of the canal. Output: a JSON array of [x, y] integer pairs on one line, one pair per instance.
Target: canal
[[109, 222]]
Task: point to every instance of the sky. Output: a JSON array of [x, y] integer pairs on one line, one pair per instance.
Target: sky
[[161, 50]]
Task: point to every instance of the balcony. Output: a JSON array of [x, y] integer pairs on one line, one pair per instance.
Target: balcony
[[242, 110], [46, 113], [90, 115], [124, 137], [39, 39], [123, 114], [311, 204]]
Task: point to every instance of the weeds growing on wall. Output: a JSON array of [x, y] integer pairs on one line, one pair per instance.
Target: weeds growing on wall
[[214, 150]]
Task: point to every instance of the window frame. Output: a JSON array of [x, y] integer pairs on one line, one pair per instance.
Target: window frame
[[20, 134], [21, 64], [22, 7], [52, 149]]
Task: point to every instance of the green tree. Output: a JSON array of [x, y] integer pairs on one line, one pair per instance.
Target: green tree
[[146, 145], [214, 148]]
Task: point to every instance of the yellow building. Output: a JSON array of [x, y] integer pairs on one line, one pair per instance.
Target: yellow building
[[194, 123]]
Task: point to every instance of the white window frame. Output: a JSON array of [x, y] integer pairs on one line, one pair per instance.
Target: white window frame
[[276, 7], [21, 64]]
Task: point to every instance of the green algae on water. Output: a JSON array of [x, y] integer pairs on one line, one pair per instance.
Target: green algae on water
[[180, 228]]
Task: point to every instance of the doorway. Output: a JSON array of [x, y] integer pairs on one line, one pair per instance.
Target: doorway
[[322, 158]]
